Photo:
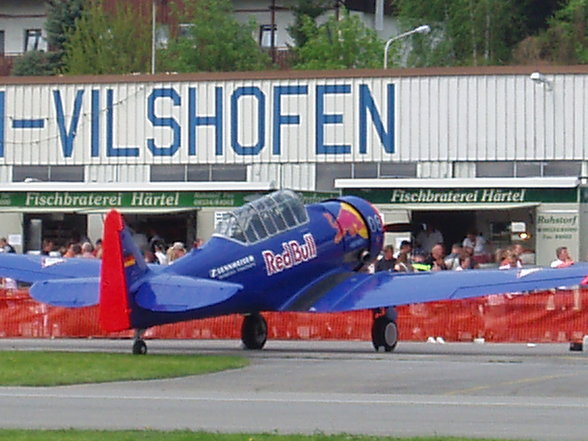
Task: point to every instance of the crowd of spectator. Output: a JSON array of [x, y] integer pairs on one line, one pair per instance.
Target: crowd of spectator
[[473, 252], [155, 250]]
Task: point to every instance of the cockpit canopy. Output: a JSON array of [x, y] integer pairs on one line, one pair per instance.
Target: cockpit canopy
[[264, 217]]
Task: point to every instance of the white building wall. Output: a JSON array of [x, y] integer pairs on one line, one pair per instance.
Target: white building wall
[[442, 121], [5, 173], [16, 16]]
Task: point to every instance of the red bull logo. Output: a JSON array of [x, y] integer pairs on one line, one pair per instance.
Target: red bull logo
[[293, 254], [348, 222]]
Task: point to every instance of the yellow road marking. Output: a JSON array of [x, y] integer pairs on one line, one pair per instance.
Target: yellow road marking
[[511, 383]]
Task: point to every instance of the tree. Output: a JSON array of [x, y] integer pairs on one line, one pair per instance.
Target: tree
[[34, 63], [102, 43], [343, 44], [61, 18], [213, 42], [465, 31], [565, 41], [302, 10]]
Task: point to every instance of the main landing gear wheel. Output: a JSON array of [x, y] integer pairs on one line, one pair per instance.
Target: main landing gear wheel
[[384, 334], [254, 331], [139, 345]]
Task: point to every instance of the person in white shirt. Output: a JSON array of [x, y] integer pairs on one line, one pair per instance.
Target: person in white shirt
[[429, 237], [563, 258]]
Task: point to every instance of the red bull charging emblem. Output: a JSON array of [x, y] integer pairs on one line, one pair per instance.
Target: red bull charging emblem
[[348, 222]]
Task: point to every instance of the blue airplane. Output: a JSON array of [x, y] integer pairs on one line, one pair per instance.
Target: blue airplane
[[272, 254]]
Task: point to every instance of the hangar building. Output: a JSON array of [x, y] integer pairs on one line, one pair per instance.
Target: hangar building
[[500, 150]]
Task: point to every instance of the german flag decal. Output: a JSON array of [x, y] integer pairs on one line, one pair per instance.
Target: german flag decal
[[129, 260]]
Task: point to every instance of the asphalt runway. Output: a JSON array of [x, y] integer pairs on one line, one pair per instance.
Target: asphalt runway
[[500, 391]]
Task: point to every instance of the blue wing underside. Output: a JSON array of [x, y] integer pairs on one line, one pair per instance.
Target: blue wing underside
[[367, 291], [31, 269], [74, 283]]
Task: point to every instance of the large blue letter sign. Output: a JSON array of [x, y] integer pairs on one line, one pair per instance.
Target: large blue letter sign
[[323, 119], [67, 136], [248, 150], [279, 118], [164, 122], [195, 120], [366, 102]]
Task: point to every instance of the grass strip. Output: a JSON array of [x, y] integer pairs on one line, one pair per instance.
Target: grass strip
[[151, 435], [20, 368]]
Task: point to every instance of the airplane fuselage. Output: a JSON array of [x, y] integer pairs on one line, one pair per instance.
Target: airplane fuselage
[[277, 270]]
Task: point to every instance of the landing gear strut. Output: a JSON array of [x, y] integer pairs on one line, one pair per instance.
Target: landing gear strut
[[139, 345], [254, 331], [385, 331]]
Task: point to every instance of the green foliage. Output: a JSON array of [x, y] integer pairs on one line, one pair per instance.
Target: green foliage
[[214, 42], [61, 18], [108, 44], [19, 368], [565, 41], [343, 44], [302, 10], [34, 63], [465, 32]]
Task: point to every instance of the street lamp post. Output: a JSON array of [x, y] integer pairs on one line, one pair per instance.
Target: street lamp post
[[153, 29], [423, 29]]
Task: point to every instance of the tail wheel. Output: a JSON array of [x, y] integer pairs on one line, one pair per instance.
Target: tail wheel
[[254, 331], [384, 334], [139, 347]]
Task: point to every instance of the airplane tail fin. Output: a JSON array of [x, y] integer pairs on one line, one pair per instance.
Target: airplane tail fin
[[122, 267]]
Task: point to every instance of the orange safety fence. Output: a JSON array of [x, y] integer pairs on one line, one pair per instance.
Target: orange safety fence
[[550, 316]]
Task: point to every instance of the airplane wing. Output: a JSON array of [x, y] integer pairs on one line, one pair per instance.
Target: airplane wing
[[367, 291], [70, 293], [31, 269], [162, 292], [174, 293]]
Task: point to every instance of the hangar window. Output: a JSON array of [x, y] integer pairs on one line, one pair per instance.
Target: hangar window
[[562, 168], [198, 173], [228, 173], [365, 170], [326, 173], [526, 169], [398, 170], [52, 173], [27, 173], [168, 173], [495, 169]]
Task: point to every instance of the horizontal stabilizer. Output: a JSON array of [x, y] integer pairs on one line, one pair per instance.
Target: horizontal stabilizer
[[394, 289], [70, 293], [173, 293], [31, 269]]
